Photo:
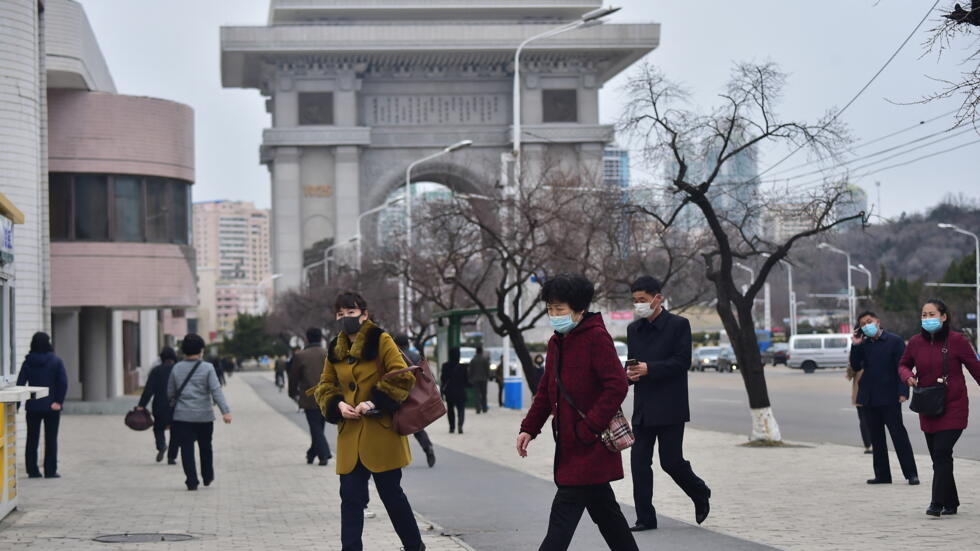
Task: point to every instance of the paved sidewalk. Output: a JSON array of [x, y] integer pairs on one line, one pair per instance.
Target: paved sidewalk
[[799, 498], [264, 496]]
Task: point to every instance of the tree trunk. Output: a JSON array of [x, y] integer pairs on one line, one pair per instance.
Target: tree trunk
[[524, 355]]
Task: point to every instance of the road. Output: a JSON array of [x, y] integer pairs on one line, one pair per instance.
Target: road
[[809, 408]]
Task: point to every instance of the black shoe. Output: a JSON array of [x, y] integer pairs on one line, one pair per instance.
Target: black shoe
[[867, 450], [171, 462], [160, 454], [323, 462], [641, 527], [451, 430], [430, 457], [878, 481], [949, 510], [34, 475], [702, 508], [55, 475], [309, 459], [192, 487], [461, 430], [913, 481], [934, 510], [208, 481]]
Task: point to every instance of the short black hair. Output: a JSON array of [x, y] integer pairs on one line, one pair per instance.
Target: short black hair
[[167, 353], [648, 284], [865, 313], [41, 343], [349, 299], [192, 344], [401, 340], [314, 335], [572, 289]]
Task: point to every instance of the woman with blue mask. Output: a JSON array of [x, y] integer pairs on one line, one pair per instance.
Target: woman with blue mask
[[583, 386], [937, 356]]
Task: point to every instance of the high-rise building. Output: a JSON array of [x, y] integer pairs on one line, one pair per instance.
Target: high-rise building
[[231, 239], [734, 192], [853, 202], [616, 167]]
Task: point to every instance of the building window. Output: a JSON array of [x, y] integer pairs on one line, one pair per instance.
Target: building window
[[316, 108], [100, 207], [559, 105]]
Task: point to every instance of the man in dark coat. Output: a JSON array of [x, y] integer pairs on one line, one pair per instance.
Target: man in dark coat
[[156, 388], [453, 383], [660, 342], [304, 374], [881, 392], [479, 373], [42, 368]]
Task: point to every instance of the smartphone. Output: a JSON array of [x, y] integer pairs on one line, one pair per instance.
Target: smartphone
[[631, 362], [373, 412]]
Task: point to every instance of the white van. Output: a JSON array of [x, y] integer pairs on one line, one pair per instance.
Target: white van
[[809, 352]]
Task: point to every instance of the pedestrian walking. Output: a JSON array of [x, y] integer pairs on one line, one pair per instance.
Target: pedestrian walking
[[478, 373], [305, 369], [281, 366], [660, 344], [855, 378], [498, 377], [875, 354], [352, 394], [193, 384], [582, 389], [936, 356], [42, 368], [156, 389], [453, 383], [422, 437]]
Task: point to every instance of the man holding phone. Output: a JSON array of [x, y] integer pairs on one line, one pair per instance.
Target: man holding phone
[[659, 345], [881, 392]]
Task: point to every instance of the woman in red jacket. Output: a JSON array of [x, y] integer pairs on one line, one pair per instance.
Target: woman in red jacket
[[922, 365], [582, 369]]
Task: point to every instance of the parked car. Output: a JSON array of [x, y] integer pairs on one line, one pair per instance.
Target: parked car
[[776, 354], [812, 352], [466, 354], [705, 357], [726, 360]]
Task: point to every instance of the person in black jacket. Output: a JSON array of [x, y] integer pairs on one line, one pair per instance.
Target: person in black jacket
[[453, 386], [881, 392], [660, 342], [156, 388], [42, 368]]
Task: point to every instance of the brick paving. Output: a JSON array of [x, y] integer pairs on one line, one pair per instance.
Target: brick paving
[[264, 496], [812, 496]]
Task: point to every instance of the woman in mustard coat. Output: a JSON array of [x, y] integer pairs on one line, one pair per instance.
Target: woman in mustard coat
[[352, 395]]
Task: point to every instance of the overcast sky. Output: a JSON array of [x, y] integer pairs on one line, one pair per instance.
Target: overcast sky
[[170, 49]]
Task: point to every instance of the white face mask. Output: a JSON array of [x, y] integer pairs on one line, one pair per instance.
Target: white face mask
[[642, 309]]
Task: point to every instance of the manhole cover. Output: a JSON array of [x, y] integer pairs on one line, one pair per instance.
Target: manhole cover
[[142, 538]]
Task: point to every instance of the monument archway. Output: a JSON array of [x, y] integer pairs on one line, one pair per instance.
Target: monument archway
[[358, 91]]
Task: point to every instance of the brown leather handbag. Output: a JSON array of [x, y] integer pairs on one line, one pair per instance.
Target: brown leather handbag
[[423, 405], [139, 419]]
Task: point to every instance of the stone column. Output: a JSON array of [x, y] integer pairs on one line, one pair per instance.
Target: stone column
[[94, 335], [149, 342], [347, 172], [66, 345], [287, 234], [115, 366]]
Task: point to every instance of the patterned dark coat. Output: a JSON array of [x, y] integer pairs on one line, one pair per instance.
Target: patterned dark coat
[[593, 376]]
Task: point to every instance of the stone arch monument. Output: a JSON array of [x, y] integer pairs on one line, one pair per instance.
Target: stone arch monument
[[359, 89]]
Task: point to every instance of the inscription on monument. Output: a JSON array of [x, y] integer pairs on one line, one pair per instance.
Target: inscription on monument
[[435, 109], [317, 191]]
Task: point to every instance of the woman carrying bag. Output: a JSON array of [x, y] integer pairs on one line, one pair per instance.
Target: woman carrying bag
[[352, 395], [156, 389], [933, 365], [582, 389]]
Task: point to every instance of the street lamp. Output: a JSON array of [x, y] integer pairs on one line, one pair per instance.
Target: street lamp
[[326, 258], [359, 236], [976, 240], [792, 294], [865, 271], [850, 288], [404, 314]]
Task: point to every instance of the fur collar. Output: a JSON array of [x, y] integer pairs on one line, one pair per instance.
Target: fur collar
[[365, 346]]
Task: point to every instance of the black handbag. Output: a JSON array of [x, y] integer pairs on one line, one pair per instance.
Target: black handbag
[[931, 400], [138, 419]]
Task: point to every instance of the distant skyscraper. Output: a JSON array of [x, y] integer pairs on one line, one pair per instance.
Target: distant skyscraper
[[734, 191], [854, 201], [233, 263], [616, 167]]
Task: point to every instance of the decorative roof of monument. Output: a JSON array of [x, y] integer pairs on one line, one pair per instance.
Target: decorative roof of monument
[[286, 12]]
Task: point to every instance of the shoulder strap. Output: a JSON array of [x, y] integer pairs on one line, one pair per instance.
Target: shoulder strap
[[946, 361], [186, 380]]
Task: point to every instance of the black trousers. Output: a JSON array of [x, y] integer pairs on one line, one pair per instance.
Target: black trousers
[[423, 439], [879, 417], [671, 461], [456, 408], [51, 421], [863, 425], [941, 449], [500, 393], [599, 500], [481, 395], [186, 434], [319, 447], [160, 424], [354, 498]]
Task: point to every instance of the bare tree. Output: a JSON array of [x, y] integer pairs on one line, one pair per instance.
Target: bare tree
[[699, 152], [957, 26]]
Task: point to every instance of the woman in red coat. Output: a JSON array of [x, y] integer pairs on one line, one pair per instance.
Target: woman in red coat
[[583, 361], [922, 365]]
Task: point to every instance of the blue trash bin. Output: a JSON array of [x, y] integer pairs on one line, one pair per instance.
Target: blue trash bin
[[513, 393]]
